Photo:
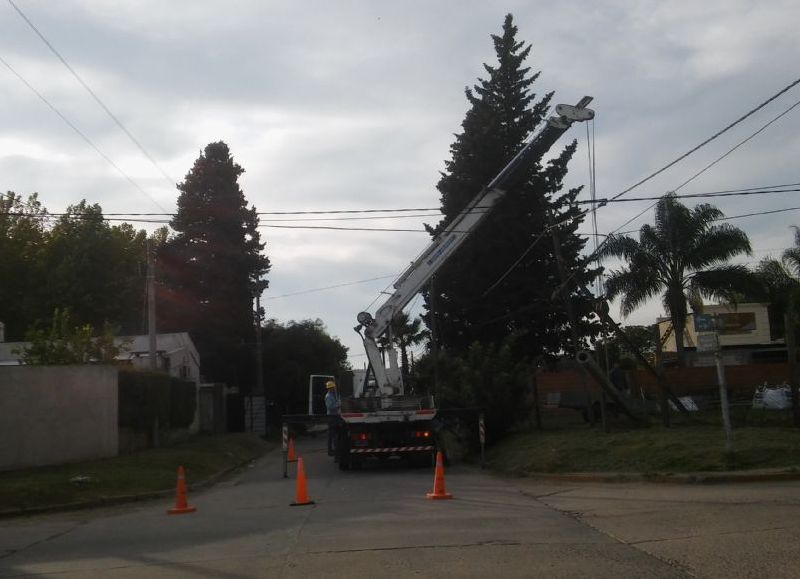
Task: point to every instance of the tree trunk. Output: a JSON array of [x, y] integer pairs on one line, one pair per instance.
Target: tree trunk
[[677, 306]]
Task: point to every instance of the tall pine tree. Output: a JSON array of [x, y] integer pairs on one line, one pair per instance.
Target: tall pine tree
[[213, 267], [480, 294]]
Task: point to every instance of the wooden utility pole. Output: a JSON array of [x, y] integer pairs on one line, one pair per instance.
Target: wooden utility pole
[[601, 309], [434, 336], [151, 306], [573, 320], [259, 351]]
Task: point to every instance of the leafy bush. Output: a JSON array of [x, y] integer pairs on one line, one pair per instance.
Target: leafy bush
[[66, 343], [491, 377]]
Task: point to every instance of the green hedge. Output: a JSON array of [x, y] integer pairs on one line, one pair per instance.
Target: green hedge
[[145, 396]]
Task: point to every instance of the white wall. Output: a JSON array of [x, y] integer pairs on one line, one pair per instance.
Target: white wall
[[57, 414]]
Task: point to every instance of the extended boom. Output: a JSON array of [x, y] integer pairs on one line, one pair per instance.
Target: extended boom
[[389, 380]]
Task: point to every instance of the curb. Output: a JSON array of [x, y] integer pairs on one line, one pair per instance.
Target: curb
[[671, 478], [121, 499]]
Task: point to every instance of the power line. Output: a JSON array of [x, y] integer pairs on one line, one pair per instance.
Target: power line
[[711, 138], [688, 196], [646, 209], [763, 190], [80, 133], [93, 94], [739, 144], [743, 215], [331, 228], [319, 289]]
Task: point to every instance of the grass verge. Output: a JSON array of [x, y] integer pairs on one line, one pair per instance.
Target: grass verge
[[654, 450], [143, 472]]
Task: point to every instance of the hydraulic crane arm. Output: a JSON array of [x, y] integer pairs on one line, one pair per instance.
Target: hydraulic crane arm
[[448, 241]]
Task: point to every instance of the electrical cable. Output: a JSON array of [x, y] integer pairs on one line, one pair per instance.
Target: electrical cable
[[93, 94], [707, 167], [711, 138], [763, 190], [80, 133], [744, 192], [688, 196], [319, 289]]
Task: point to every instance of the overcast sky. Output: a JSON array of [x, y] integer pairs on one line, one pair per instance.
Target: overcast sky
[[353, 105]]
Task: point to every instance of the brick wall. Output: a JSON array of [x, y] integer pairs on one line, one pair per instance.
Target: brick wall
[[683, 381]]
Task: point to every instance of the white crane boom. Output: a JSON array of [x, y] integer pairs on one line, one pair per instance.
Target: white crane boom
[[445, 244]]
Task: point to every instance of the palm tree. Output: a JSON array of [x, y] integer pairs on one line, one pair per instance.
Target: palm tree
[[781, 281], [406, 333], [781, 287], [683, 258]]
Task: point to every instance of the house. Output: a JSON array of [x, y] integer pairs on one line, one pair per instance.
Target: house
[[175, 352], [745, 336]]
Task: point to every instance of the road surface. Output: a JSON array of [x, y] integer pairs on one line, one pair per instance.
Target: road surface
[[377, 523]]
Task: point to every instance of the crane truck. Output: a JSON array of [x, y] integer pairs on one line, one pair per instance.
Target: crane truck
[[380, 419]]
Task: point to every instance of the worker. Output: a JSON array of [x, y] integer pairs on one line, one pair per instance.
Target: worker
[[332, 408]]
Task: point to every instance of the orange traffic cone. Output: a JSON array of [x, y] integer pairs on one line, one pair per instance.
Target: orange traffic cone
[[301, 492], [438, 481], [181, 506], [291, 456]]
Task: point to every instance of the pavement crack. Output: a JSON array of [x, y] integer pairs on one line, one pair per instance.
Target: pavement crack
[[577, 517], [545, 495], [720, 534], [490, 543], [11, 552]]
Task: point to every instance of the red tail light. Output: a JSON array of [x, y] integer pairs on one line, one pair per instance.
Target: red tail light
[[422, 434], [360, 436]]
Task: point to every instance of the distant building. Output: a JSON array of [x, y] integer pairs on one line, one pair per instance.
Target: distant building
[[175, 352], [745, 336]]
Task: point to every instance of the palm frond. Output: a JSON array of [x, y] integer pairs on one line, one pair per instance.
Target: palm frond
[[726, 283], [716, 244], [635, 287], [620, 246]]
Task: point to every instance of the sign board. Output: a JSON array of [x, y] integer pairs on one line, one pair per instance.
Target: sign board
[[704, 323], [707, 342]]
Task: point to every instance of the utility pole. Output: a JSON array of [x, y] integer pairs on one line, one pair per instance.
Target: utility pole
[[573, 321], [434, 336], [151, 306], [723, 399], [260, 367], [707, 328], [259, 351]]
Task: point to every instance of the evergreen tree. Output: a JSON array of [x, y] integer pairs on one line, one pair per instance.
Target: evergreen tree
[[95, 270], [213, 267], [22, 239], [482, 294]]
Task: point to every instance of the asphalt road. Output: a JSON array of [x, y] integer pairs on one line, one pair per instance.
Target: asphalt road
[[377, 523]]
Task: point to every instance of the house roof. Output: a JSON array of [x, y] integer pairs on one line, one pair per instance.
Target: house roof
[[133, 345]]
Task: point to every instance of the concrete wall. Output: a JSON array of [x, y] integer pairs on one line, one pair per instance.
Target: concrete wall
[[57, 414]]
